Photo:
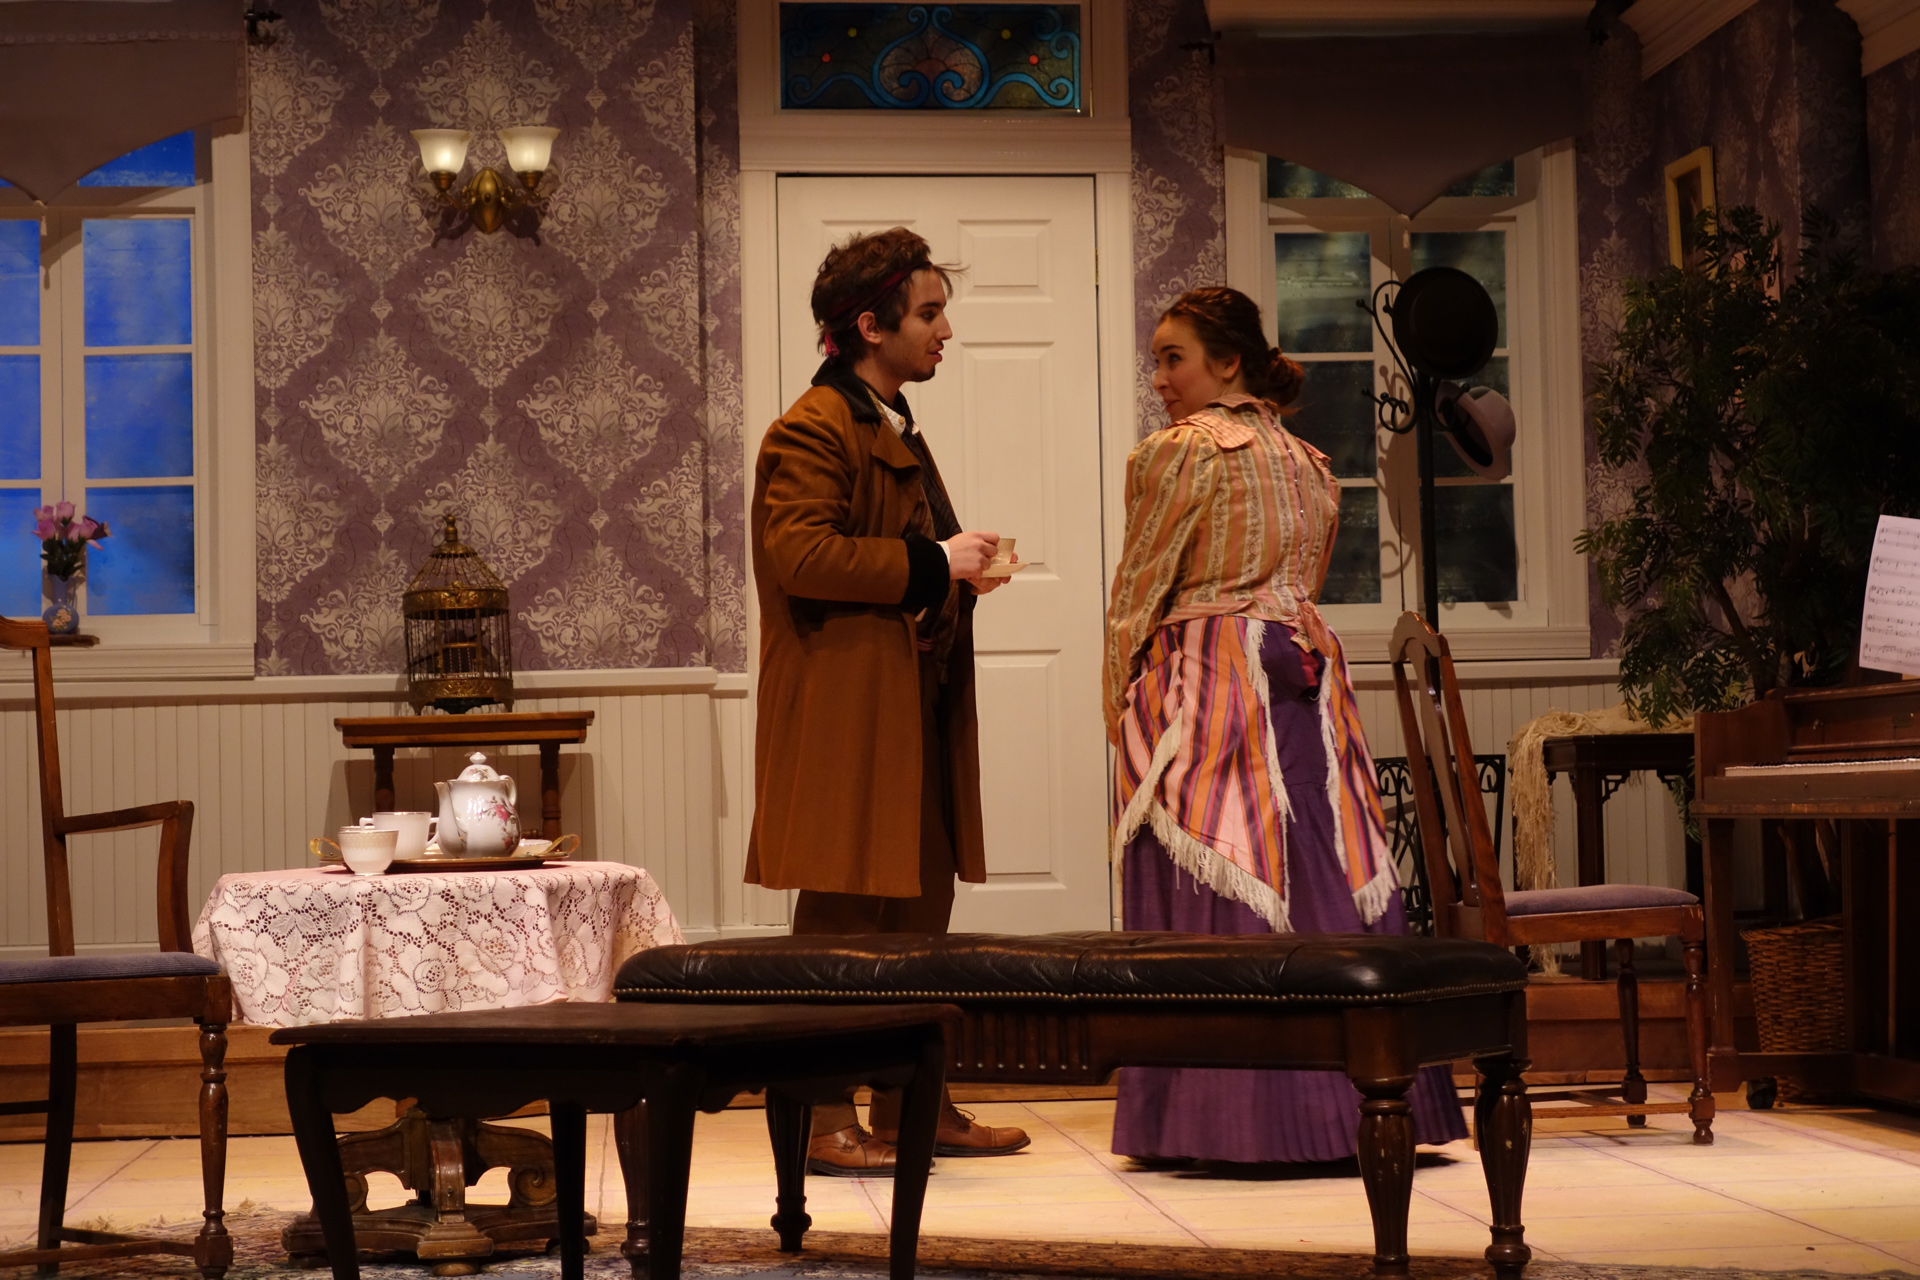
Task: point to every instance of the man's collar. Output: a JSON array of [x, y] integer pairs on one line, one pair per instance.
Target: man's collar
[[839, 375]]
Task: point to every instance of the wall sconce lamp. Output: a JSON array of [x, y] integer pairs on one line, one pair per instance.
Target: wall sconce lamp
[[488, 198]]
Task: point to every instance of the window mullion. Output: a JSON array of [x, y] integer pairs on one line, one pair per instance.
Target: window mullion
[[71, 480], [52, 368], [203, 509]]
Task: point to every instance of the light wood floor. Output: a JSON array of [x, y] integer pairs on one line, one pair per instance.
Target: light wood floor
[[1833, 1189]]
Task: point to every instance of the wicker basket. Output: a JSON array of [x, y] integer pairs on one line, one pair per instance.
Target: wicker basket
[[1799, 999]]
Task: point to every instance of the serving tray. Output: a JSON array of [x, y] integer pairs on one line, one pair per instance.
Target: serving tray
[[541, 853], [403, 866]]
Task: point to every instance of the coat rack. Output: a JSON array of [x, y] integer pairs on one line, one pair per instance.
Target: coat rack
[[1445, 327]]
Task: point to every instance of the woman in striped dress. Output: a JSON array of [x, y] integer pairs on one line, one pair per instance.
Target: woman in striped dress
[[1245, 795]]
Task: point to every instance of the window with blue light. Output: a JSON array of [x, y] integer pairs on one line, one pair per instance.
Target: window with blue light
[[146, 567], [921, 57], [19, 554], [20, 417], [137, 292], [139, 281], [20, 282], [107, 422]]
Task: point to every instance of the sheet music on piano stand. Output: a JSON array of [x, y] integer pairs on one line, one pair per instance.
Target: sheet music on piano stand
[[1890, 620]]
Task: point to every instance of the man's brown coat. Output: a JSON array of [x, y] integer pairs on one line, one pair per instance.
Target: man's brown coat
[[837, 738]]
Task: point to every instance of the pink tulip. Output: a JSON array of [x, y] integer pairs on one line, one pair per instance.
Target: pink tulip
[[63, 510], [43, 513], [83, 529], [46, 529]]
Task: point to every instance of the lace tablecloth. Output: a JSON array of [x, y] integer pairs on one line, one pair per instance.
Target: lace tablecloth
[[320, 945]]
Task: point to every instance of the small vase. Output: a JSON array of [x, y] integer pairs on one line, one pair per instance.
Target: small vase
[[63, 615]]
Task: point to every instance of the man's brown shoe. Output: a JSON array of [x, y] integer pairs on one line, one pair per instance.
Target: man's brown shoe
[[958, 1135], [851, 1152]]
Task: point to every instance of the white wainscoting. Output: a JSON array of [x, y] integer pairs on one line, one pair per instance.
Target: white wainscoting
[[663, 781]]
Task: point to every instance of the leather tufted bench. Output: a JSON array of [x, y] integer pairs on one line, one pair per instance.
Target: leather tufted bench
[[1071, 1008]]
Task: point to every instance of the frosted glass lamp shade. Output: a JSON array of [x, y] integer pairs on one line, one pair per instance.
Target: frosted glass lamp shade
[[442, 150], [529, 147]]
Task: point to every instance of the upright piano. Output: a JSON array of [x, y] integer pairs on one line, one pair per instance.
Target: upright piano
[[1851, 755]]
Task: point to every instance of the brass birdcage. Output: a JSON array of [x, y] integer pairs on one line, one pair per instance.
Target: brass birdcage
[[459, 654]]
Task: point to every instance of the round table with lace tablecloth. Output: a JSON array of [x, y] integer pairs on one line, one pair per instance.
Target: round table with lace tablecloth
[[317, 944]]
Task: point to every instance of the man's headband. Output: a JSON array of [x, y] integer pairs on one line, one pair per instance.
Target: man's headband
[[839, 319]]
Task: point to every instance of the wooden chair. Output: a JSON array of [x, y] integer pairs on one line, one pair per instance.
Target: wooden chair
[[65, 990], [1463, 875]]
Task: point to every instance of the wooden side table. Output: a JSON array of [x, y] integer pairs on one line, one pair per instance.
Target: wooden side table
[[544, 729], [1600, 763]]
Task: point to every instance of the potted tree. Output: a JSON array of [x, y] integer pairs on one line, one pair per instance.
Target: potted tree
[[1762, 431]]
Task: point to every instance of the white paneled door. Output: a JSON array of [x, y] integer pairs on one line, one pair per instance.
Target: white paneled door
[[1014, 420]]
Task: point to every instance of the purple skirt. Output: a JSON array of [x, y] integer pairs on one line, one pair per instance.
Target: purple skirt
[[1260, 1116]]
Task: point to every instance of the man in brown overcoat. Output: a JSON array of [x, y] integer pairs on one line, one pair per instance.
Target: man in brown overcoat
[[866, 753]]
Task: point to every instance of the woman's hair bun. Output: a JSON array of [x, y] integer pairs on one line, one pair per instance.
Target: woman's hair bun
[[1284, 378]]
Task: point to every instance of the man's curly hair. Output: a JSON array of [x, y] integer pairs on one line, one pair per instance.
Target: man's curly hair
[[853, 280]]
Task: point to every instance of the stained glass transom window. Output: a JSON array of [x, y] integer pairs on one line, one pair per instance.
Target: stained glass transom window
[[918, 57]]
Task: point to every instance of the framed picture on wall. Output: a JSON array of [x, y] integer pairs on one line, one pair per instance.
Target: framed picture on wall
[[1689, 191]]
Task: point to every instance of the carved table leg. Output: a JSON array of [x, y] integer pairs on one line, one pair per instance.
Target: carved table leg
[[1503, 1123], [1633, 1085], [630, 1137], [1386, 1167], [1693, 955], [438, 1172], [790, 1126], [550, 790], [382, 779], [438, 1159], [1590, 839]]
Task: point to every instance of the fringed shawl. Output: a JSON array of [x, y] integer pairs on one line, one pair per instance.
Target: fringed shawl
[[1198, 765]]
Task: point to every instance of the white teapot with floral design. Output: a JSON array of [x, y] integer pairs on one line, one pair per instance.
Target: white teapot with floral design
[[477, 818]]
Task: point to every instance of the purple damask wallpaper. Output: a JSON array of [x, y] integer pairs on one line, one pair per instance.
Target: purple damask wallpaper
[[1893, 147], [1179, 182], [1777, 94], [1620, 195], [573, 398]]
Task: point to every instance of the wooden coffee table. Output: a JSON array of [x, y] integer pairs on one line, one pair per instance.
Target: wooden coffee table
[[671, 1060]]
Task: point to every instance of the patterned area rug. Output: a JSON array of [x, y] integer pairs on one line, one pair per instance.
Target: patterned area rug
[[835, 1255]]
